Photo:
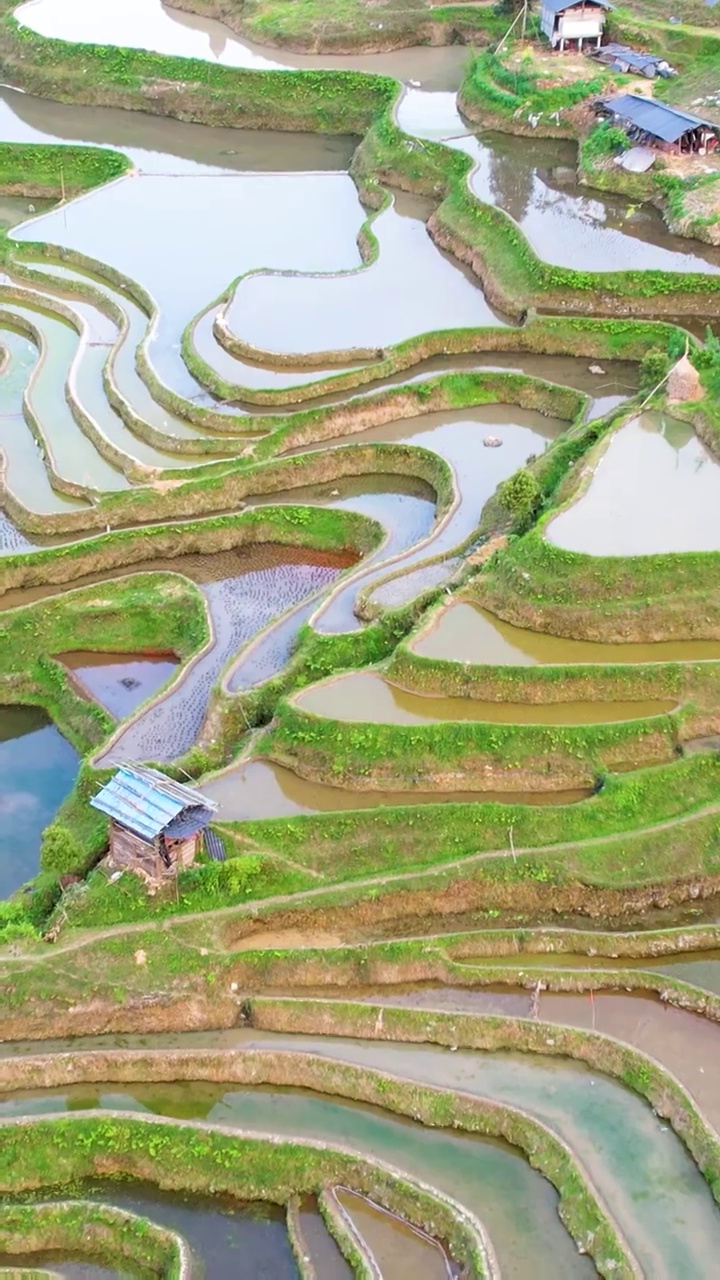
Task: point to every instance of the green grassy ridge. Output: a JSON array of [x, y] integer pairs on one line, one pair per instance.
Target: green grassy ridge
[[388, 839], [58, 168], [514, 276], [558, 576], [543, 335], [351, 25], [181, 1156], [693, 681], [581, 1213], [208, 92], [145, 612], [418, 960], [352, 752], [330, 101], [316, 528], [95, 1233], [620, 864]]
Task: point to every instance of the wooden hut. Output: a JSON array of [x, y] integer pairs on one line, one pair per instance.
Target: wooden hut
[[156, 824], [574, 24], [654, 124]]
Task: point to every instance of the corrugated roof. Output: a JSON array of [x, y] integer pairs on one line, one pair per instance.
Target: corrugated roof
[[145, 801], [654, 117], [214, 846], [631, 56], [557, 6], [189, 822]]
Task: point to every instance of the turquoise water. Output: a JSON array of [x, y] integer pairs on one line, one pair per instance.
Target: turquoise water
[[37, 770]]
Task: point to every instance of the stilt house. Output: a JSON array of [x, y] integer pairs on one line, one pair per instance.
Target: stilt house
[[156, 824], [574, 24]]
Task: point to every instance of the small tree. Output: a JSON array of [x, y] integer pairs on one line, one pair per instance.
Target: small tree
[[520, 496]]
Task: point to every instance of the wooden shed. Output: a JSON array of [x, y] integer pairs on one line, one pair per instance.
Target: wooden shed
[[573, 24], [156, 824], [655, 124]]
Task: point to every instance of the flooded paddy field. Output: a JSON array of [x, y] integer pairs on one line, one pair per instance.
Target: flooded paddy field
[[652, 466], [601, 1119], [262, 789], [366, 696], [464, 632]]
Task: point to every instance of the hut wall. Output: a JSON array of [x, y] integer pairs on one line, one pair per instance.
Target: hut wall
[[129, 853], [183, 852]]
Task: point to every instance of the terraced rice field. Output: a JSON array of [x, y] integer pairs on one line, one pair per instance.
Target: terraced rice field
[[338, 478]]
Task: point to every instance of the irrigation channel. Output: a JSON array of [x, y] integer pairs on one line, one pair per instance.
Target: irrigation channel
[[449, 1003]]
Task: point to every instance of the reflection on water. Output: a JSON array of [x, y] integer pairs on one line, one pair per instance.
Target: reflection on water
[[260, 789], [37, 770], [367, 696], [119, 682], [411, 288], [147, 24], [458, 437], [535, 183], [466, 633], [305, 222], [656, 488]]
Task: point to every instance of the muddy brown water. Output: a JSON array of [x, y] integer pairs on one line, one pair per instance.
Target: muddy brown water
[[398, 1248], [260, 789], [464, 632], [655, 488], [367, 697], [320, 1246], [687, 1044], [119, 682], [159, 144]]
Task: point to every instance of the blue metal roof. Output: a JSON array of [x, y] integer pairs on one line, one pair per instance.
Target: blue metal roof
[[146, 802], [654, 117], [557, 6]]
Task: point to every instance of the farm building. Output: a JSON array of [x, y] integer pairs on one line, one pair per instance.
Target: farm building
[[156, 825], [653, 124], [619, 58], [573, 24]]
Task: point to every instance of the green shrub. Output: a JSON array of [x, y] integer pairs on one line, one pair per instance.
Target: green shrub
[[654, 366], [60, 851], [14, 923], [520, 495], [604, 141]]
